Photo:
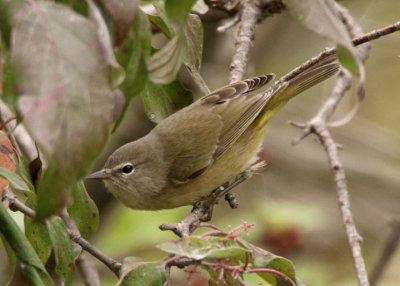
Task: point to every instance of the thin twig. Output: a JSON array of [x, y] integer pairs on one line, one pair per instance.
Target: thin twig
[[373, 35], [229, 24], [318, 125], [201, 209], [389, 249], [112, 264], [86, 268], [16, 205], [244, 39]]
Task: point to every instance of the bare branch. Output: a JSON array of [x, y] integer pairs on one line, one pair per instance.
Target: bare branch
[[201, 209], [86, 268], [373, 35], [376, 34], [318, 125], [244, 39], [16, 205]]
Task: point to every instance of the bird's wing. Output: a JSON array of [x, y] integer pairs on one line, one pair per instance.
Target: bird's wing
[[213, 124], [237, 107]]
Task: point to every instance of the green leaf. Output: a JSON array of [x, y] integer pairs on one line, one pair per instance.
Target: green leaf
[[62, 248], [7, 11], [277, 263], [178, 10], [16, 182], [157, 21], [346, 58], [142, 273], [78, 6], [133, 55], [66, 97], [30, 264], [37, 233], [160, 101], [207, 247], [83, 211], [7, 78], [12, 260], [25, 172]]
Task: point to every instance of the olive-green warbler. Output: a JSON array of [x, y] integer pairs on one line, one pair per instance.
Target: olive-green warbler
[[204, 145]]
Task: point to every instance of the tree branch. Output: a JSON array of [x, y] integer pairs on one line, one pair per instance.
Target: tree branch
[[14, 204], [373, 35], [244, 39], [201, 209], [87, 269], [318, 125]]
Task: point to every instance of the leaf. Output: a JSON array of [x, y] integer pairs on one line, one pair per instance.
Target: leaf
[[16, 182], [62, 248], [12, 260], [7, 78], [30, 264], [7, 10], [264, 259], [37, 233], [122, 16], [117, 73], [321, 17], [7, 160], [157, 21], [194, 42], [63, 78], [215, 275], [133, 55], [164, 65], [142, 273], [83, 211], [207, 247], [178, 10], [160, 101]]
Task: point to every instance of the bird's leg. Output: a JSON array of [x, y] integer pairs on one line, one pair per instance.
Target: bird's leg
[[202, 210]]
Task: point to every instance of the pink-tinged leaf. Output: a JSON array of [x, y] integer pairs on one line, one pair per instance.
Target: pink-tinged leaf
[[117, 72], [64, 82]]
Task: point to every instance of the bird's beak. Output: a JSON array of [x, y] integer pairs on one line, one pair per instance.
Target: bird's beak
[[99, 175]]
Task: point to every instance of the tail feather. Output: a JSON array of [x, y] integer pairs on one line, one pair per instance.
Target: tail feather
[[280, 94]]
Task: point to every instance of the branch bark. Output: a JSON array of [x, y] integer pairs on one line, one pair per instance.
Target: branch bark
[[318, 126], [11, 201], [244, 39]]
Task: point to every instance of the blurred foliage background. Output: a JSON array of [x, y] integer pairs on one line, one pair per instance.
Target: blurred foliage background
[[293, 200]]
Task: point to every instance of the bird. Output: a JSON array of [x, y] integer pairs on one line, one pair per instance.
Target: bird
[[205, 145]]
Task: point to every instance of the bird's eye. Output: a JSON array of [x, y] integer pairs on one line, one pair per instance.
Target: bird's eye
[[127, 169]]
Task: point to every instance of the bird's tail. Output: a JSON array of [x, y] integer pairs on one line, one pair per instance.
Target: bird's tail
[[279, 94]]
